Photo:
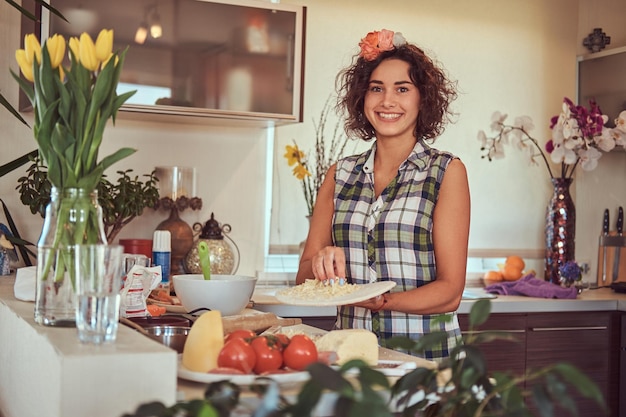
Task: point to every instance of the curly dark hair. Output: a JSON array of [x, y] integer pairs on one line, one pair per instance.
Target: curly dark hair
[[437, 91]]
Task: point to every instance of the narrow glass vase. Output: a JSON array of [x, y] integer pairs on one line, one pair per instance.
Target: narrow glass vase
[[72, 217]]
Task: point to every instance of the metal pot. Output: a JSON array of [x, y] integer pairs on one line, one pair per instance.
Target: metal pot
[[173, 337]]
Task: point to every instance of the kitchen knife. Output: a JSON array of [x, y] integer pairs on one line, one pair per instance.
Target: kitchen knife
[[620, 227], [605, 232]]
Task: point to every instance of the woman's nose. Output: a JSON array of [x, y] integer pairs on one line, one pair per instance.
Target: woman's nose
[[389, 99]]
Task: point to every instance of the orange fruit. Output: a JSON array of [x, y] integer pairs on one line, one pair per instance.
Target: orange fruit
[[493, 276], [511, 272], [515, 261]]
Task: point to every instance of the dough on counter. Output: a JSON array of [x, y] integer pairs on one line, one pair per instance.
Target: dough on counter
[[350, 344]]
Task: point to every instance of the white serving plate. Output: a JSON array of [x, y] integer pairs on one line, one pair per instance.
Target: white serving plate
[[281, 378], [364, 292]]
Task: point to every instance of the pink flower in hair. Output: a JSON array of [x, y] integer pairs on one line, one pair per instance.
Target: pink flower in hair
[[379, 41]]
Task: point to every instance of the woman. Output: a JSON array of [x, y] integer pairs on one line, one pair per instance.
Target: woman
[[401, 210]]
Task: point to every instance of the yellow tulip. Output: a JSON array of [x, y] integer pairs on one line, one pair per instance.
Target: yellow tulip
[[75, 48], [87, 54], [61, 73], [25, 66], [32, 48], [106, 61], [104, 45], [56, 50]]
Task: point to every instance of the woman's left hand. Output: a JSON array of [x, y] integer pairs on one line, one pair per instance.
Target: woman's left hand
[[375, 303]]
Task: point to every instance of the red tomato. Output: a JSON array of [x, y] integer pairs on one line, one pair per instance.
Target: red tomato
[[237, 354], [240, 334], [268, 356], [300, 353], [280, 340]]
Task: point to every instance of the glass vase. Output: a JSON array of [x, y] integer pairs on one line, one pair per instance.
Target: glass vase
[[72, 217], [560, 229]]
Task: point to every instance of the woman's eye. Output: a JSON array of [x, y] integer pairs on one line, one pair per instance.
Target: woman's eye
[[402, 89], [375, 89]]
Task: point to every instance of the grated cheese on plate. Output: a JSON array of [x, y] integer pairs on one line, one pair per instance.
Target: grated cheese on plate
[[313, 289]]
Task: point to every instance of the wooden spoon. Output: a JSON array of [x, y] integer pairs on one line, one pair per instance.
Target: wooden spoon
[[134, 325]]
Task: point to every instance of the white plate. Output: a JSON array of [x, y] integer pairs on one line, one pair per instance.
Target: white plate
[[364, 292], [286, 378]]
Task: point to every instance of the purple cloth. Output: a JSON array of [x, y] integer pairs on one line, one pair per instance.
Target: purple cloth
[[532, 287]]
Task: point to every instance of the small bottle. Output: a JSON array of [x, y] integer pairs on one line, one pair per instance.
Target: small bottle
[[162, 255]]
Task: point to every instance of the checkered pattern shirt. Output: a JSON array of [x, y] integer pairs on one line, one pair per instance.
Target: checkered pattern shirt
[[389, 238]]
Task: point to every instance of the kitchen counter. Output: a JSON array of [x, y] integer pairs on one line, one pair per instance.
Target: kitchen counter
[[602, 299], [72, 379], [46, 371]]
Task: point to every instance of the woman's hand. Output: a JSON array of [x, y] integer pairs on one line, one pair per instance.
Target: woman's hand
[[375, 304], [329, 263]]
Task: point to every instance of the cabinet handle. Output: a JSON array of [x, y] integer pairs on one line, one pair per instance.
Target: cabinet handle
[[558, 329], [490, 331]]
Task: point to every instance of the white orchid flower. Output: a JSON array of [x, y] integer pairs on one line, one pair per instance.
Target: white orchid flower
[[524, 122], [589, 158], [498, 150], [570, 128], [619, 136], [620, 122], [482, 138], [562, 154], [573, 142], [605, 141], [497, 119]]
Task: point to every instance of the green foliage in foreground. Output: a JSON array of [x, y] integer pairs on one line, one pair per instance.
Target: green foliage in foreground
[[459, 387]]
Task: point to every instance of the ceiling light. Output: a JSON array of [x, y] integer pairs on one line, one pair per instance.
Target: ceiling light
[[156, 31], [142, 33]]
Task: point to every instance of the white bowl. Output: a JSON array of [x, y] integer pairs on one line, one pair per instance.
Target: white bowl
[[227, 293]]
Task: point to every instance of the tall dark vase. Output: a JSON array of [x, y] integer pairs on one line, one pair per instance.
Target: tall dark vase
[[560, 229]]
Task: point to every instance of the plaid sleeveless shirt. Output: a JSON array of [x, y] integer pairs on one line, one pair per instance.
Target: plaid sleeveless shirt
[[389, 238]]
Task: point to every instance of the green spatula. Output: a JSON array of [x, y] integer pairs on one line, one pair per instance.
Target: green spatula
[[205, 262]]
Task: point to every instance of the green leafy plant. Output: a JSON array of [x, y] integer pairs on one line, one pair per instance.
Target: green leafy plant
[[460, 386], [121, 201]]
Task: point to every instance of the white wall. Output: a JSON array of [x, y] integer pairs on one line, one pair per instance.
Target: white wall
[[516, 56]]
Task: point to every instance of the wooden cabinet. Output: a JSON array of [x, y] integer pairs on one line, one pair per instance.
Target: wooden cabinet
[[503, 355], [588, 340], [214, 60]]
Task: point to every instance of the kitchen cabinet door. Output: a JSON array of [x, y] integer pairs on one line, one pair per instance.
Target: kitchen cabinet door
[[502, 355], [587, 340]]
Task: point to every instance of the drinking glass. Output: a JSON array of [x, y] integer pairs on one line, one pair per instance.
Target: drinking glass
[[98, 281]]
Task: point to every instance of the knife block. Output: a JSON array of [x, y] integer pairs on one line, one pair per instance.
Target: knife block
[[607, 250]]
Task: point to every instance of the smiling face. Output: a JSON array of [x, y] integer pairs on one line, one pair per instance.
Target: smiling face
[[392, 101]]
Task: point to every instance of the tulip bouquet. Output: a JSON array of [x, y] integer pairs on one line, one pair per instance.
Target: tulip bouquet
[[72, 105]]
